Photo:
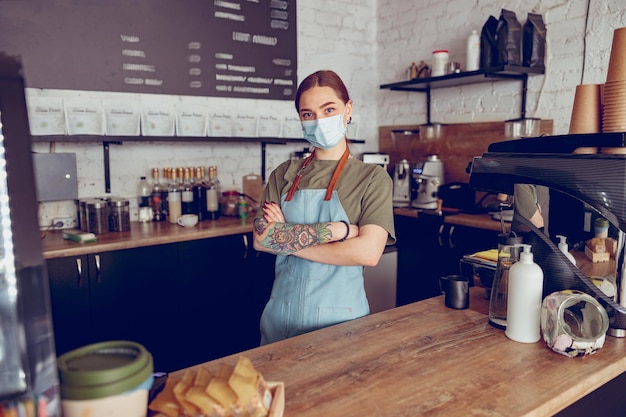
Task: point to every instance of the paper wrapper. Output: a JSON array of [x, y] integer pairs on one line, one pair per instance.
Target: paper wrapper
[[277, 407], [278, 399]]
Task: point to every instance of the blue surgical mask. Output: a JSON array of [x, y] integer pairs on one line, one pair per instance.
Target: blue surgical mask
[[324, 133]]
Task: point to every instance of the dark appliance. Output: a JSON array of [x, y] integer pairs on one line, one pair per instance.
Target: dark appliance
[[577, 183]]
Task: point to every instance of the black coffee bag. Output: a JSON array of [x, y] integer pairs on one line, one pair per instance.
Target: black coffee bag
[[509, 35], [489, 57], [534, 42]]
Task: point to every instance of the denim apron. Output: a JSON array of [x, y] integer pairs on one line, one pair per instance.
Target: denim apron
[[310, 295]]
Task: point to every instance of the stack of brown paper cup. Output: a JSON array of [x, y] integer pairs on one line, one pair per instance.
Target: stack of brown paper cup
[[614, 94], [586, 113]]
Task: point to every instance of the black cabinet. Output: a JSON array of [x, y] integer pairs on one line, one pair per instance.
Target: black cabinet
[[70, 302], [135, 296], [114, 295], [429, 248], [186, 302], [227, 284]]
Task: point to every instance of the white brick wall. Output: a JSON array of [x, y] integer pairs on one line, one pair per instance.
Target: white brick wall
[[409, 31], [372, 42]]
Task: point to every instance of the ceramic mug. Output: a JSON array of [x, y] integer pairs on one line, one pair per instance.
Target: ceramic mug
[[188, 220], [456, 290]]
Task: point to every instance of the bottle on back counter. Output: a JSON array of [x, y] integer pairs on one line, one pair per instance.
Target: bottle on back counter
[[174, 208], [143, 200], [144, 192], [213, 194], [199, 193], [157, 198], [187, 193]]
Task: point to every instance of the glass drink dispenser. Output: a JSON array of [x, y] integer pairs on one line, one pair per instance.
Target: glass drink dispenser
[[28, 373]]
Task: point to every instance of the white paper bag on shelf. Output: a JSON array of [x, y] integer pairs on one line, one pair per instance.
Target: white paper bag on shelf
[[246, 125], [46, 115], [122, 118], [269, 126], [158, 120], [221, 124], [292, 128], [84, 116], [191, 120]]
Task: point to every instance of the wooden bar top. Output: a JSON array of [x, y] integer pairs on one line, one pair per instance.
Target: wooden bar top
[[477, 221], [426, 359], [143, 234]]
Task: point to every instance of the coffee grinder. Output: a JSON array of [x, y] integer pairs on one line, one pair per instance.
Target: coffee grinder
[[427, 177], [402, 184]]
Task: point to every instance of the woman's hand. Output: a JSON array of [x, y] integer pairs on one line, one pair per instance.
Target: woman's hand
[[272, 213]]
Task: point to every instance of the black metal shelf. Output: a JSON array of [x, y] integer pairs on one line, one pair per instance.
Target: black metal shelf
[[119, 139], [504, 72], [107, 141]]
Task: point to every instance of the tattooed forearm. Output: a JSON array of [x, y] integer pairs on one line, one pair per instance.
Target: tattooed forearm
[[285, 239]]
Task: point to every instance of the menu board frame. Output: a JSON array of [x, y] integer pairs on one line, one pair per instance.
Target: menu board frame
[[221, 48]]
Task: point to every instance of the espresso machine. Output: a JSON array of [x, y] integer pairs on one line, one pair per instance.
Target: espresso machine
[[427, 177], [402, 184], [595, 182]]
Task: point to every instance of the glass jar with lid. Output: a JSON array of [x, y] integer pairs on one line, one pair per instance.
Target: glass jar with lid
[[229, 203], [97, 216], [119, 215]]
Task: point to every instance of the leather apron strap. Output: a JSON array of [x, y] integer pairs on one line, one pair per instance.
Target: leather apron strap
[[333, 180]]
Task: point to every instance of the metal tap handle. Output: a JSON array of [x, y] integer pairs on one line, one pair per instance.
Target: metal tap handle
[[79, 270], [97, 258]]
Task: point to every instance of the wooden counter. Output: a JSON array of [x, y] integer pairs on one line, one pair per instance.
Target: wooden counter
[[426, 359], [477, 221], [152, 233], [143, 234]]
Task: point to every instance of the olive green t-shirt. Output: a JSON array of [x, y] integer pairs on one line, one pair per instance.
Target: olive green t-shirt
[[364, 190]]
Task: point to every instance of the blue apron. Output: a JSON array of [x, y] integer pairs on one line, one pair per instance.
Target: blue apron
[[309, 295]]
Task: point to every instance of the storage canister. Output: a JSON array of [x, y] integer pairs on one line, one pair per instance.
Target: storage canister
[[106, 379], [97, 216], [82, 214], [119, 215], [229, 203], [439, 63]]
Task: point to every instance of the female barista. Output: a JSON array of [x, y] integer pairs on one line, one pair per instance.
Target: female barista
[[326, 218]]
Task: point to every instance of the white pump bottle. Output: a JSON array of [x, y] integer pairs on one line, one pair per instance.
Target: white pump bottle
[[525, 295], [563, 247]]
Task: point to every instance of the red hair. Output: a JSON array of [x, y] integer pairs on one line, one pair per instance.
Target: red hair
[[323, 78]]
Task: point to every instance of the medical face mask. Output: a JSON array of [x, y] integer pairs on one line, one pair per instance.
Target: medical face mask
[[324, 133]]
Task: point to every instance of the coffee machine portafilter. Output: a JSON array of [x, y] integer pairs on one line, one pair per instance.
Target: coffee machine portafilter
[[594, 180]]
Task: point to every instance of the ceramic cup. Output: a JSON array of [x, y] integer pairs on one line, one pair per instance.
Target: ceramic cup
[[456, 290], [188, 220]]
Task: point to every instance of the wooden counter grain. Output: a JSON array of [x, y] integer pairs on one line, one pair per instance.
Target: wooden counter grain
[[477, 221], [143, 234], [425, 359]]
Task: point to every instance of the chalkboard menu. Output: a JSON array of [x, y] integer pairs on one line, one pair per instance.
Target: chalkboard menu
[[220, 48]]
